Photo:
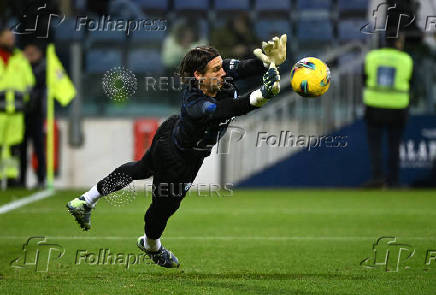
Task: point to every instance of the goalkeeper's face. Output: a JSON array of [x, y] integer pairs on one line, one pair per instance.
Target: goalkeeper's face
[[212, 79]]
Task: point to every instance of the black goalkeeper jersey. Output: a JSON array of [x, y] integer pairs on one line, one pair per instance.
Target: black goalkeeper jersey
[[203, 119]]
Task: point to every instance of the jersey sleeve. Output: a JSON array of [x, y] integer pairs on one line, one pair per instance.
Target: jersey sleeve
[[203, 107], [242, 69]]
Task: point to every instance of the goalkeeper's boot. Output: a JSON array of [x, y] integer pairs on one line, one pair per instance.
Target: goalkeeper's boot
[[161, 257], [81, 212]]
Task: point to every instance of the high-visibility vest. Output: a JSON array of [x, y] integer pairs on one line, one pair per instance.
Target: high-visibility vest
[[389, 72], [16, 80]]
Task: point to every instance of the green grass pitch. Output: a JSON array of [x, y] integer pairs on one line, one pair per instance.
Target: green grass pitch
[[254, 242]]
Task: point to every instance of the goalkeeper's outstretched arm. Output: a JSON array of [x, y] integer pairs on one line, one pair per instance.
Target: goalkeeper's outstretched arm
[[201, 106], [242, 69]]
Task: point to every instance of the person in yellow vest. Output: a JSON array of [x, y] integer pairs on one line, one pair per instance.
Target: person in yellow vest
[[388, 72], [16, 80]]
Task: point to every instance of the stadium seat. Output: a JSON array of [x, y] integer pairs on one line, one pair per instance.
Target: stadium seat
[[348, 61], [101, 60], [265, 29], [148, 36], [232, 4], [315, 30], [314, 4], [106, 36], [79, 5], [145, 61], [67, 31], [354, 5], [12, 22], [191, 4], [308, 52], [203, 28], [152, 4], [350, 29], [273, 5], [125, 9]]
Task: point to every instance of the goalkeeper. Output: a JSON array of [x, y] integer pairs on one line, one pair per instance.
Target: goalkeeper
[[209, 103]]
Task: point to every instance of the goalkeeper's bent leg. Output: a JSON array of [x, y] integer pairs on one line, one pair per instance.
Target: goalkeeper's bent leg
[[165, 202], [168, 192], [81, 207], [120, 178]]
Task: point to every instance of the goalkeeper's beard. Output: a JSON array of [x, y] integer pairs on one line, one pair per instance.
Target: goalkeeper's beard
[[212, 88]]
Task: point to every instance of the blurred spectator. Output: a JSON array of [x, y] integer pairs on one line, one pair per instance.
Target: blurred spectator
[[34, 116], [388, 72], [125, 9], [183, 36], [12, 8], [424, 58], [236, 39], [99, 7], [16, 80]]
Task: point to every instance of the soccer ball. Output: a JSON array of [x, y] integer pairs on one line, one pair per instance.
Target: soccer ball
[[310, 77]]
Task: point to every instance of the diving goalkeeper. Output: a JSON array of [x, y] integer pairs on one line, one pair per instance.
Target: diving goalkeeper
[[209, 102]]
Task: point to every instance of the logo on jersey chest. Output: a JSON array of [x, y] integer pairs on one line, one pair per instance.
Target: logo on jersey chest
[[187, 186]]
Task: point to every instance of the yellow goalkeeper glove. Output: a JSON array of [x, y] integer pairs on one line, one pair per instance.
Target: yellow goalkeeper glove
[[273, 52]]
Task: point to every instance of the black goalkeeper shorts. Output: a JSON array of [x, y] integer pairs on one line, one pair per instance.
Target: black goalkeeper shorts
[[170, 165], [173, 173]]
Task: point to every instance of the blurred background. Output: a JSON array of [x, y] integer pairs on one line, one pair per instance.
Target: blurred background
[[94, 134]]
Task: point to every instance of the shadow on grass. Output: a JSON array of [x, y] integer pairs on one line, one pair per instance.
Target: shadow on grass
[[241, 288], [235, 281], [255, 276]]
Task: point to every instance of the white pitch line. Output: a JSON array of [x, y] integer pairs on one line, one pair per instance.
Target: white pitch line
[[297, 238], [27, 200]]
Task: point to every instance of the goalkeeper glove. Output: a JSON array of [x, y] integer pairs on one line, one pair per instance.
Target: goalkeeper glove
[[274, 51], [270, 87]]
